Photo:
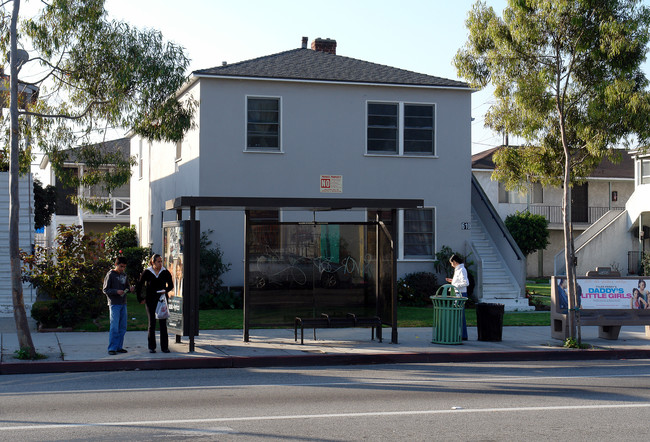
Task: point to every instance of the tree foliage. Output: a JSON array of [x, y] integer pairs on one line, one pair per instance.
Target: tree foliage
[[87, 75], [44, 204], [95, 74], [529, 231], [567, 79]]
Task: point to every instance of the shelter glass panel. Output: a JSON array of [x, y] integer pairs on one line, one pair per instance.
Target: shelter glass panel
[[306, 270]]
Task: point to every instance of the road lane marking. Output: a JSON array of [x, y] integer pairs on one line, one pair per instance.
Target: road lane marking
[[168, 422]]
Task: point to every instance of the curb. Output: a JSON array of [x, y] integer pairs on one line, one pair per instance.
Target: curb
[[34, 367]]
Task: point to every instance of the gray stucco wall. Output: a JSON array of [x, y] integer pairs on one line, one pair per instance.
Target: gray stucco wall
[[323, 130]]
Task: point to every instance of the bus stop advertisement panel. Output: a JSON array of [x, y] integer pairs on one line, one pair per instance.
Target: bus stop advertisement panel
[[181, 258]]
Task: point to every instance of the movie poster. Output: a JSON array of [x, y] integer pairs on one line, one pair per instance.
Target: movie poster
[[173, 243], [608, 293]]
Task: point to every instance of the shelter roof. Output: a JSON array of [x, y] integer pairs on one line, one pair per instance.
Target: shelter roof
[[312, 204]]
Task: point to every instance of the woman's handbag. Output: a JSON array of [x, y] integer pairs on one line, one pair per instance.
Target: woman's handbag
[[162, 311]]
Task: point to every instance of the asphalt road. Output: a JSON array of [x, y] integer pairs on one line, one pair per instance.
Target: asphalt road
[[593, 400]]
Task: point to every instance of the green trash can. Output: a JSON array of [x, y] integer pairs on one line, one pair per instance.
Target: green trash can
[[447, 315]]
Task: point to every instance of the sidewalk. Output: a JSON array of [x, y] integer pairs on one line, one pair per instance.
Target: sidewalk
[[86, 351]]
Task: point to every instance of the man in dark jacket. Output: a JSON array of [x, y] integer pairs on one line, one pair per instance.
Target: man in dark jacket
[[116, 287]]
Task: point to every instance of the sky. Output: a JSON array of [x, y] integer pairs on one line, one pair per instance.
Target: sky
[[418, 35]]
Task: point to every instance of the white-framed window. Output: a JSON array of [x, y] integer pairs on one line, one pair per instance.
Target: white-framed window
[[179, 150], [645, 171], [537, 193], [399, 128], [263, 124], [521, 196], [140, 160], [418, 233]]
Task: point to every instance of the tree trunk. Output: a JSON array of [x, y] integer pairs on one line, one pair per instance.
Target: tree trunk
[[569, 253], [20, 315]]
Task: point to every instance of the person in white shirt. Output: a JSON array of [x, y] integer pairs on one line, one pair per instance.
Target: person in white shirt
[[461, 282]]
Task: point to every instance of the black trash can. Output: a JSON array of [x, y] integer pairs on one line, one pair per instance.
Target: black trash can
[[489, 321]]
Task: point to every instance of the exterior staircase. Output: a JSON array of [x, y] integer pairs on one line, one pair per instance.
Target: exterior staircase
[[495, 281]]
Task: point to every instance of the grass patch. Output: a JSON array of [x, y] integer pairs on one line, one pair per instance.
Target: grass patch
[[540, 290], [137, 319], [23, 354], [423, 317]]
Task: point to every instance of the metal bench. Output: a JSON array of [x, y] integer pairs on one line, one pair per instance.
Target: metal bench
[[325, 321], [609, 321]]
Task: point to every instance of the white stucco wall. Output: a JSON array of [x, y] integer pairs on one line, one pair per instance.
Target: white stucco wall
[[163, 178]]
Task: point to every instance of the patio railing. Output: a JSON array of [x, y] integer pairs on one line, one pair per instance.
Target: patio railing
[[120, 208], [554, 213]]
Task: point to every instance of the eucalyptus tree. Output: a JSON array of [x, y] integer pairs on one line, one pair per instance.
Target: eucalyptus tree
[[88, 74], [567, 79]]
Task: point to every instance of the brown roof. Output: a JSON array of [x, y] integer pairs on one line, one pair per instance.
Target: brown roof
[[606, 169]]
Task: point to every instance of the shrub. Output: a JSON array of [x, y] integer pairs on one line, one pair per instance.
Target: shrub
[[211, 292], [72, 274], [120, 238], [415, 289], [137, 260], [529, 231], [46, 313], [123, 241], [223, 300]]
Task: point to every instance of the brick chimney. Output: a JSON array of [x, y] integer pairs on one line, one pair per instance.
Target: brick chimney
[[304, 42], [324, 45]]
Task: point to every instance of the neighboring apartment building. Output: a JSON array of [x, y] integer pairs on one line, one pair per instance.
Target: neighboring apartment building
[[622, 236], [606, 191], [26, 238], [69, 213], [272, 126]]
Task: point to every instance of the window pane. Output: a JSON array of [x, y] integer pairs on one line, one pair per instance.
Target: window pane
[[263, 123], [382, 127], [503, 193], [419, 233], [645, 171], [418, 129], [538, 193]]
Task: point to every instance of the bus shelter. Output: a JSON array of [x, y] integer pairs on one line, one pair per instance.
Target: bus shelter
[[304, 269]]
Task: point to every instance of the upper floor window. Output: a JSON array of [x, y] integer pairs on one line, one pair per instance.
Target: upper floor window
[[520, 196], [64, 192], [179, 150], [645, 171], [401, 129], [263, 123], [140, 160]]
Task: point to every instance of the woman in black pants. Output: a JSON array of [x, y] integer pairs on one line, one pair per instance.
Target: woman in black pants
[[157, 282]]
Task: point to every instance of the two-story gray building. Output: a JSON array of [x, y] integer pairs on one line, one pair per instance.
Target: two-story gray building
[[309, 123]]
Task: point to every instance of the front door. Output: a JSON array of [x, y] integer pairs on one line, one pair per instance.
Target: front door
[[579, 204]]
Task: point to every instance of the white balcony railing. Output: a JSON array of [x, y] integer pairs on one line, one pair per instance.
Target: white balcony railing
[[554, 213], [120, 209]]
